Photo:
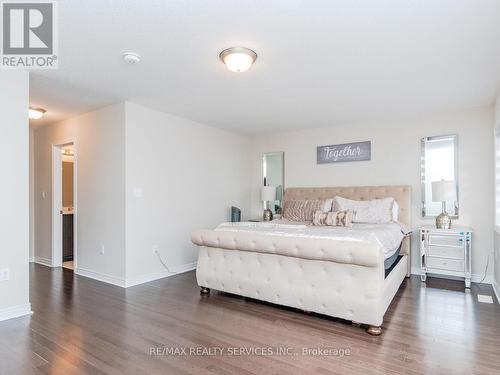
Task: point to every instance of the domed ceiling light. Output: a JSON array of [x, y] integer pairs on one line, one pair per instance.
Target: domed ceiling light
[[36, 113], [131, 58], [238, 59]]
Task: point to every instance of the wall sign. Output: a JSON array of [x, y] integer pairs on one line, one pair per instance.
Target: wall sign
[[357, 151]]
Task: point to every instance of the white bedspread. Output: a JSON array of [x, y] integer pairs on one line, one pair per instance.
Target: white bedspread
[[387, 236]]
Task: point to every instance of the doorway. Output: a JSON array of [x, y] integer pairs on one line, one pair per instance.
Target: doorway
[[64, 205]]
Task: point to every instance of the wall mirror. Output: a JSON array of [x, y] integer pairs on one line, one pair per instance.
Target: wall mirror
[[273, 167], [439, 161]]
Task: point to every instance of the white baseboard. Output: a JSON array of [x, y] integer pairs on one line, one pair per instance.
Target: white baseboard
[[132, 281], [100, 277], [126, 283], [32, 259], [15, 311], [475, 278], [496, 289], [43, 261], [415, 271]]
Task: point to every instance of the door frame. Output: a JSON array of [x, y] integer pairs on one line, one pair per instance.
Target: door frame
[[57, 247]]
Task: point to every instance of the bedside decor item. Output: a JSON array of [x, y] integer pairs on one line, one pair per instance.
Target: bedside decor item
[[444, 191], [235, 214], [268, 194], [446, 252], [358, 151]]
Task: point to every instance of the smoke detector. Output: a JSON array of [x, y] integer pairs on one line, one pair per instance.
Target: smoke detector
[[131, 58]]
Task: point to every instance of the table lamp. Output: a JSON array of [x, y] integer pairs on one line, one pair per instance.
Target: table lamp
[[444, 191], [268, 194]]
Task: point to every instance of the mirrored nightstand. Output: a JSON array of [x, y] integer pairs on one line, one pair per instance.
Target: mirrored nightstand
[[446, 252]]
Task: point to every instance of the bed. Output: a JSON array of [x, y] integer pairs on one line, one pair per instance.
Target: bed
[[343, 275]]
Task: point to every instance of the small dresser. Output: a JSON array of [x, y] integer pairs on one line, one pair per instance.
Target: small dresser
[[446, 252]]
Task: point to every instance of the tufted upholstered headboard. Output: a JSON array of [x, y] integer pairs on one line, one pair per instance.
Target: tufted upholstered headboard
[[402, 195]]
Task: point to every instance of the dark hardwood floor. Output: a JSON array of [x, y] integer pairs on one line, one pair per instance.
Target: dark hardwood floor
[[84, 326]]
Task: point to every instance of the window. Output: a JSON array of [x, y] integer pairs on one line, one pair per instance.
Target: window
[[439, 162]]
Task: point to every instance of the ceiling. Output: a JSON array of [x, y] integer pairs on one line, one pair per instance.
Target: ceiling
[[321, 63]]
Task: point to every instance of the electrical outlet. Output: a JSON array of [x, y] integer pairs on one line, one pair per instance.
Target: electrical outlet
[[155, 249], [102, 250], [4, 274]]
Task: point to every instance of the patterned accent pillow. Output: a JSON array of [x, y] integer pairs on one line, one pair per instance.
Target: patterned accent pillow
[[335, 218], [303, 210]]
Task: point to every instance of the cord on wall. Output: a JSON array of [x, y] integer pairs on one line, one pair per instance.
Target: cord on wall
[[486, 269], [162, 262]]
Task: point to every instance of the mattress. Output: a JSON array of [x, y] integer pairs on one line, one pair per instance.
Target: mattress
[[390, 261], [393, 265], [388, 236]]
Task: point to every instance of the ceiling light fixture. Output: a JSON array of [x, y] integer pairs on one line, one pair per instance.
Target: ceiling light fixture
[[36, 113], [131, 58], [238, 59]]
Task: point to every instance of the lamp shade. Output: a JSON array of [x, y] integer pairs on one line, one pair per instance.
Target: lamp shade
[[268, 193], [444, 191]]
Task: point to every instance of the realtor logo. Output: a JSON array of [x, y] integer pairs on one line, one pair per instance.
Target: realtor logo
[[29, 35]]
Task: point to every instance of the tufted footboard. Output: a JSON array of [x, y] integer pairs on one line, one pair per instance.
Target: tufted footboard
[[349, 291]]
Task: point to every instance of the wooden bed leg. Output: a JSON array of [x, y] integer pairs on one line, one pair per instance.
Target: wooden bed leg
[[374, 330], [204, 291]]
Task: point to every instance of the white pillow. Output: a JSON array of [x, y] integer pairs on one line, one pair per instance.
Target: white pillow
[[328, 205], [377, 211], [395, 211]]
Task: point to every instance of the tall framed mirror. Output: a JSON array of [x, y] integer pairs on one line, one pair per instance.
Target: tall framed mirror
[[439, 162], [273, 171]]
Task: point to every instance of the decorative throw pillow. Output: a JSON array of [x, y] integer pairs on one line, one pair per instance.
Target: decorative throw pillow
[[303, 210], [376, 211], [335, 218], [395, 211]]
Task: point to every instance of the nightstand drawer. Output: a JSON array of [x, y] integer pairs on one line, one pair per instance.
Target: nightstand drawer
[[445, 240], [449, 252], [445, 264]]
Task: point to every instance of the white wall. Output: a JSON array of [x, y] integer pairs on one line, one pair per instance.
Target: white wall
[[100, 201], [145, 178], [14, 193], [496, 233], [396, 161], [188, 175], [32, 193]]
